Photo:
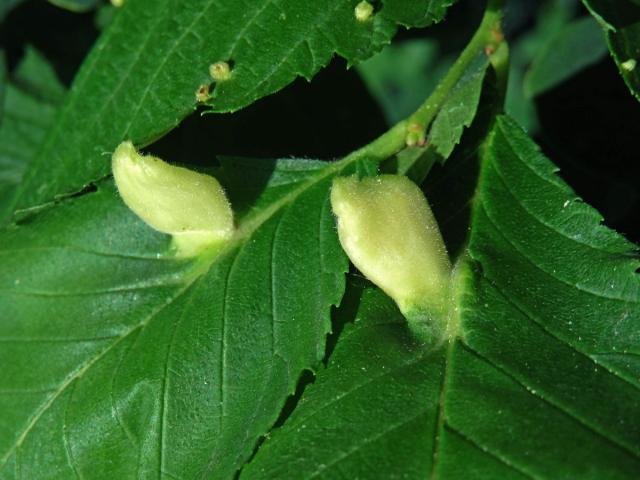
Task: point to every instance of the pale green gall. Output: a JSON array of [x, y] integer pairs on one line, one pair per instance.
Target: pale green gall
[[388, 231], [190, 206]]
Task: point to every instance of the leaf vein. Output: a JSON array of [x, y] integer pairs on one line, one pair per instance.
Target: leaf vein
[[490, 453], [440, 415], [539, 323], [358, 386], [366, 441], [77, 374], [547, 180], [551, 403], [597, 294]]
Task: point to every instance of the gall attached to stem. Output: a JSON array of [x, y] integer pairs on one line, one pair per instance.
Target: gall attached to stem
[[388, 231]]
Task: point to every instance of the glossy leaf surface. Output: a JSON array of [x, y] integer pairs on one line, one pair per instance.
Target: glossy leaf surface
[[178, 367], [542, 380], [32, 96]]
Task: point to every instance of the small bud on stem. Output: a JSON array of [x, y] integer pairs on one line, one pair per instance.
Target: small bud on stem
[[363, 11], [629, 65]]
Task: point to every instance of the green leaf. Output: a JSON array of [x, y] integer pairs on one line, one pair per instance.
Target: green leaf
[[104, 15], [459, 109], [369, 413], [549, 309], [141, 78], [577, 45], [29, 105], [121, 362], [36, 76], [551, 18], [6, 6], [412, 13], [621, 21], [542, 380]]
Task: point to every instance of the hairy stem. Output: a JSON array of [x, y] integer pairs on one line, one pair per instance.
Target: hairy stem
[[488, 37]]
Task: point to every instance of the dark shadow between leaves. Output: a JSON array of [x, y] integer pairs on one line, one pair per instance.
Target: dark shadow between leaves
[[596, 151], [345, 313], [306, 377], [244, 180], [450, 187], [64, 37], [325, 119]]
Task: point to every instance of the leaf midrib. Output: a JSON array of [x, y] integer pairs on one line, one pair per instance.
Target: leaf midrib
[[441, 417], [554, 404], [202, 265], [477, 202], [79, 372]]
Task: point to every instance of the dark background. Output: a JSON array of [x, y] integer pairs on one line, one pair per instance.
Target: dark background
[[589, 125]]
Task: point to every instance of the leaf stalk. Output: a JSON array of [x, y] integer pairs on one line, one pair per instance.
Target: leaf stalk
[[411, 131]]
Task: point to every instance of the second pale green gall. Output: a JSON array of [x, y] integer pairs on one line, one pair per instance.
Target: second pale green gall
[[388, 231]]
